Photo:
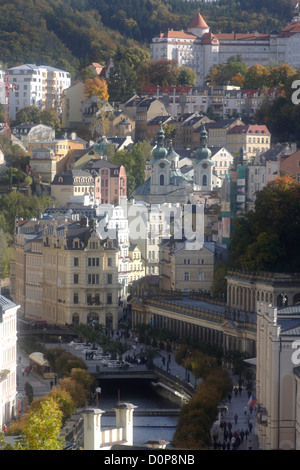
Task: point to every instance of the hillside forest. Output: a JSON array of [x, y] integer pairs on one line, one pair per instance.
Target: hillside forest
[[69, 34]]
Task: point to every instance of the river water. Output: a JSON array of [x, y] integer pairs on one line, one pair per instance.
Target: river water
[[141, 394]]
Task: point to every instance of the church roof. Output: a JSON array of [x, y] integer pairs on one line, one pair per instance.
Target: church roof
[[198, 22], [144, 188], [176, 177]]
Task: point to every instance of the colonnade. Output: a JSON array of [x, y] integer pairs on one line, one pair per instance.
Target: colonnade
[[227, 335]]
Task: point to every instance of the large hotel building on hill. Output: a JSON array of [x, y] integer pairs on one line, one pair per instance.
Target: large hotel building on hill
[[200, 49]]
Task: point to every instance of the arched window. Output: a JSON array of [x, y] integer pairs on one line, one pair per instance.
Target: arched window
[[161, 180], [204, 180]]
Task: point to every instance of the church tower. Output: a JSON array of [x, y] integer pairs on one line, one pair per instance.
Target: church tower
[[203, 165], [160, 175]]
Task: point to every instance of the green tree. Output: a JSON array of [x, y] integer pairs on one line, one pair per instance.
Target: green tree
[[28, 114], [42, 431], [134, 163], [257, 77], [222, 74], [50, 117], [170, 132], [16, 204], [268, 237], [186, 77], [163, 72], [219, 286]]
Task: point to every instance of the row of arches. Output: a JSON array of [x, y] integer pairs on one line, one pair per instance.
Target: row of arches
[[246, 298]]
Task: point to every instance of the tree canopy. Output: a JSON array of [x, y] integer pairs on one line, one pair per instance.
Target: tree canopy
[[267, 239], [96, 87], [236, 72], [66, 33]]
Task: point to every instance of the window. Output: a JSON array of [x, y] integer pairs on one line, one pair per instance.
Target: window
[[204, 180], [186, 276], [109, 279], [75, 298], [76, 261], [76, 278], [109, 262], [109, 299], [161, 180], [93, 278]]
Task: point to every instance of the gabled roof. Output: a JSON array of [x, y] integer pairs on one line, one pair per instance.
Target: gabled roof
[[209, 38], [290, 29], [220, 124]]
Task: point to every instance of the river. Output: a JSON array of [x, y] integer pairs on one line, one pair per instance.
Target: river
[[141, 394]]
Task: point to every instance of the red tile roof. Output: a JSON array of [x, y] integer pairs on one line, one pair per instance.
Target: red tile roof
[[241, 36], [177, 35], [209, 38], [198, 22], [290, 29]]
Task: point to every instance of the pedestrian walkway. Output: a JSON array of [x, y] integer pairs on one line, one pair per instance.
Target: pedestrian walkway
[[241, 418], [39, 385]]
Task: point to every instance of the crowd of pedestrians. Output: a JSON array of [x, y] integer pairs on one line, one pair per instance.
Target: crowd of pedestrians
[[235, 428]]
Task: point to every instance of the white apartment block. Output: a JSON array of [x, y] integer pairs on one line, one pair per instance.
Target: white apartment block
[[8, 360], [36, 85], [200, 49]]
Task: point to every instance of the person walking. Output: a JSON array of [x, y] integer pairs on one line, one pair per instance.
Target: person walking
[[235, 418]]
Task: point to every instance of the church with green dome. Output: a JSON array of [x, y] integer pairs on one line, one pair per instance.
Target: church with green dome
[[168, 183]]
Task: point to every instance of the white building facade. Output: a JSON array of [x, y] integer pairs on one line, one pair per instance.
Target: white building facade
[[200, 49], [36, 85], [277, 377], [8, 360]]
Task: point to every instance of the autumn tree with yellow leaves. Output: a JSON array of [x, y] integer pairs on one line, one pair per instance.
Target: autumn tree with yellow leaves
[[96, 87]]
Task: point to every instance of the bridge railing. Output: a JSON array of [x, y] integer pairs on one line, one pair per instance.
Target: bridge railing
[[187, 387]]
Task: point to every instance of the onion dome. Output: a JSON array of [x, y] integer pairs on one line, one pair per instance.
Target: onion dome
[[203, 152], [159, 151]]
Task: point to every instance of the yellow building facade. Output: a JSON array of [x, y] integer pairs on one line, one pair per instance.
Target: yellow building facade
[[72, 275], [136, 264]]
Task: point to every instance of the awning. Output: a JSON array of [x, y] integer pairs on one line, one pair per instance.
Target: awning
[[39, 359]]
